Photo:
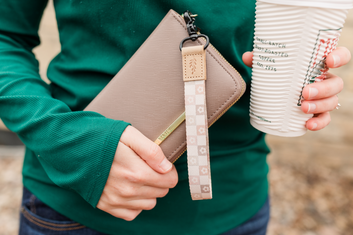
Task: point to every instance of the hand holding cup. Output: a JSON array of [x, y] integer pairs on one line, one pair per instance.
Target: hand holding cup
[[320, 97], [294, 47]]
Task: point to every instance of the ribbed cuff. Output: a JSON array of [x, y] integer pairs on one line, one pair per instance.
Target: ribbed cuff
[[103, 168]]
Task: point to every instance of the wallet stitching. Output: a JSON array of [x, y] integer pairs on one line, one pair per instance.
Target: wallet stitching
[[236, 86], [178, 149]]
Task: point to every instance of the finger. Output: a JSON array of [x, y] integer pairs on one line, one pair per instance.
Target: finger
[[132, 169], [164, 181], [148, 192], [247, 58], [136, 205], [320, 106], [125, 214], [146, 149], [331, 86], [318, 122], [144, 204], [131, 201], [338, 57], [119, 212], [130, 198], [144, 192]]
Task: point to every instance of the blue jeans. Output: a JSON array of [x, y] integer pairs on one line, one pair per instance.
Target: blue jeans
[[39, 219]]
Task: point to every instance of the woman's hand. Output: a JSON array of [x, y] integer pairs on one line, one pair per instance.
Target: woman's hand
[[320, 97], [140, 174]]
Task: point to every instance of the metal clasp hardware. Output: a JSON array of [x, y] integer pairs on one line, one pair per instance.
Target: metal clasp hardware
[[193, 31]]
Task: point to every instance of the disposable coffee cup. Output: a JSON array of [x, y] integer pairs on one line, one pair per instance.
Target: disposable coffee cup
[[292, 40]]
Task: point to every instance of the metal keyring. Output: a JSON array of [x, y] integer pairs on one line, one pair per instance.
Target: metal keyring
[[193, 38]]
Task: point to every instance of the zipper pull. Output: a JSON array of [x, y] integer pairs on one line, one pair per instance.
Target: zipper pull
[[192, 29]]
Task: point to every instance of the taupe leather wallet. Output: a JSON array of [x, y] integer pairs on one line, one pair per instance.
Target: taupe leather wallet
[[148, 91]]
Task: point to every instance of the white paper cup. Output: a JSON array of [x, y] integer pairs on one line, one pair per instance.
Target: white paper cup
[[331, 4], [292, 40]]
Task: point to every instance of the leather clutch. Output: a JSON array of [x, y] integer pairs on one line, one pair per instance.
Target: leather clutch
[[148, 91]]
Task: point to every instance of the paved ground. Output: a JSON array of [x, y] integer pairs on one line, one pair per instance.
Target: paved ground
[[311, 176]]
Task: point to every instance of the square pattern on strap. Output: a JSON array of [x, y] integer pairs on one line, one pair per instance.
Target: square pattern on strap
[[197, 140]]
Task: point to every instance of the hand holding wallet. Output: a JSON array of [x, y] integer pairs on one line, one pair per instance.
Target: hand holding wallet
[[148, 91]]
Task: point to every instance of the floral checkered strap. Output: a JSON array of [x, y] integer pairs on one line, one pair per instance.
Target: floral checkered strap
[[194, 74]]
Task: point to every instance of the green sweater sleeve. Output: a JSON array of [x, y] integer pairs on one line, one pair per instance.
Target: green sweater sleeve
[[76, 149]]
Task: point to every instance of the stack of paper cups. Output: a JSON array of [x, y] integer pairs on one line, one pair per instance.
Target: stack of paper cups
[[292, 40]]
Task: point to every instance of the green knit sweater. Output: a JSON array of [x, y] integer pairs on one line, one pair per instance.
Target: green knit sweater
[[69, 152]]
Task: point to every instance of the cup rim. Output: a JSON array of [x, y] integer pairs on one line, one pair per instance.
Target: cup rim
[[338, 4]]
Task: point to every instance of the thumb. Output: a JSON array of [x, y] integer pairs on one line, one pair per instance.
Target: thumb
[[247, 58], [149, 151]]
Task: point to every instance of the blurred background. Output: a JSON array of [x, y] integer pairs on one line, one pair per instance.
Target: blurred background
[[311, 176]]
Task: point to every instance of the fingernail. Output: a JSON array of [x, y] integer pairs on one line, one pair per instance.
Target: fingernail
[[313, 92], [165, 165], [318, 80], [336, 60], [312, 108], [314, 126]]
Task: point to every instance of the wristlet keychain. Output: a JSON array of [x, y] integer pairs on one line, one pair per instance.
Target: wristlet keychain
[[194, 76]]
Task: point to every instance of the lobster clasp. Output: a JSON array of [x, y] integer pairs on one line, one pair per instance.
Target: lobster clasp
[[189, 20], [192, 30]]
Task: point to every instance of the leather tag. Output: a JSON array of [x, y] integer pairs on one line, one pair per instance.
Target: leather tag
[[194, 63]]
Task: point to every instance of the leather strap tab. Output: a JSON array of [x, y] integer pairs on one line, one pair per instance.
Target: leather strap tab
[[196, 123], [194, 63]]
